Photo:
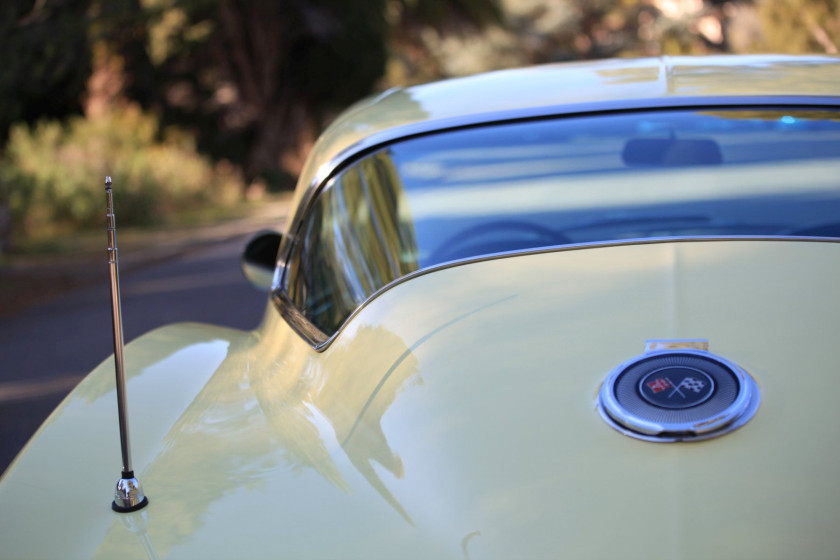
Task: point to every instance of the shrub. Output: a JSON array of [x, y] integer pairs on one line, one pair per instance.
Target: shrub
[[52, 174]]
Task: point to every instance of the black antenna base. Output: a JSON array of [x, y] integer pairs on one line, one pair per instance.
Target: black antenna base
[[121, 509]]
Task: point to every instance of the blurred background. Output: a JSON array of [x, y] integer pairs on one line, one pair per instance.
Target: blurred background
[[196, 106], [203, 112]]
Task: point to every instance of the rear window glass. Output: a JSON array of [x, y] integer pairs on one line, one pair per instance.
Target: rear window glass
[[515, 187]]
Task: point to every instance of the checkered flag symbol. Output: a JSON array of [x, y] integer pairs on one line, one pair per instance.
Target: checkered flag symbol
[[691, 384]]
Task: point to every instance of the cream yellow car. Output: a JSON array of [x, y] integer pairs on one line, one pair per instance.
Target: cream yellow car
[[573, 311]]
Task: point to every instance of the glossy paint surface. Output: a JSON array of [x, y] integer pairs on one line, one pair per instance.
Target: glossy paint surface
[[448, 422]]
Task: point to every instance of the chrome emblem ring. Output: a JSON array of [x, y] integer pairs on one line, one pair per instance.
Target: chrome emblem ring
[[677, 394]]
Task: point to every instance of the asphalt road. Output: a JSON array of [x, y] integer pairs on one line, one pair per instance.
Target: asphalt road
[[46, 348]]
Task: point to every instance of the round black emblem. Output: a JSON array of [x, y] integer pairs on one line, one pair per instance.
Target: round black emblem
[[676, 387], [677, 394]]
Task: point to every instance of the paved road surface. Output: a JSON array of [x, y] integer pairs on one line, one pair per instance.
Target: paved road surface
[[47, 348]]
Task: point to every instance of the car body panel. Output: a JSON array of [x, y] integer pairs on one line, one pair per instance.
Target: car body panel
[[401, 440]]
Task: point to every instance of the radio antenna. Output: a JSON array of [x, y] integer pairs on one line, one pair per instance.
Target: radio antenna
[[128, 496]]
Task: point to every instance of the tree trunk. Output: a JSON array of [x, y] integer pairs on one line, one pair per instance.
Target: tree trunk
[[283, 138]]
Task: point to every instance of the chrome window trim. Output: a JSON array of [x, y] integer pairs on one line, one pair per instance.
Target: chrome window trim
[[381, 139], [320, 341]]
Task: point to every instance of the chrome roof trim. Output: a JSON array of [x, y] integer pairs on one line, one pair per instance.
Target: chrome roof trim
[[383, 138], [320, 341]]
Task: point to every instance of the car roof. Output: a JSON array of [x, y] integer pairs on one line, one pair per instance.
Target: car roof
[[563, 88]]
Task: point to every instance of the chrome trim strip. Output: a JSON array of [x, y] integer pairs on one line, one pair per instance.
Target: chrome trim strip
[[735, 415], [303, 326], [320, 341], [673, 344], [379, 140], [382, 138]]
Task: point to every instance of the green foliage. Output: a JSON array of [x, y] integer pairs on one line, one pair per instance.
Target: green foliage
[[800, 26], [53, 174]]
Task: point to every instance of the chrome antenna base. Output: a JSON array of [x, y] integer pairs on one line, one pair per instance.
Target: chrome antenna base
[[128, 495]]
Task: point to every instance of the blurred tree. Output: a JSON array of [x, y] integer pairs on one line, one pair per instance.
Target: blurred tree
[[414, 23], [257, 79], [45, 66], [800, 26], [609, 28], [46, 59]]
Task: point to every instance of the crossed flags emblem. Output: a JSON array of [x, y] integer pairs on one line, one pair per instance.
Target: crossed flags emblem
[[687, 384]]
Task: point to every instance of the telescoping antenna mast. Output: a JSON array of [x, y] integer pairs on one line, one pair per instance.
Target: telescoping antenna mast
[[128, 495]]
